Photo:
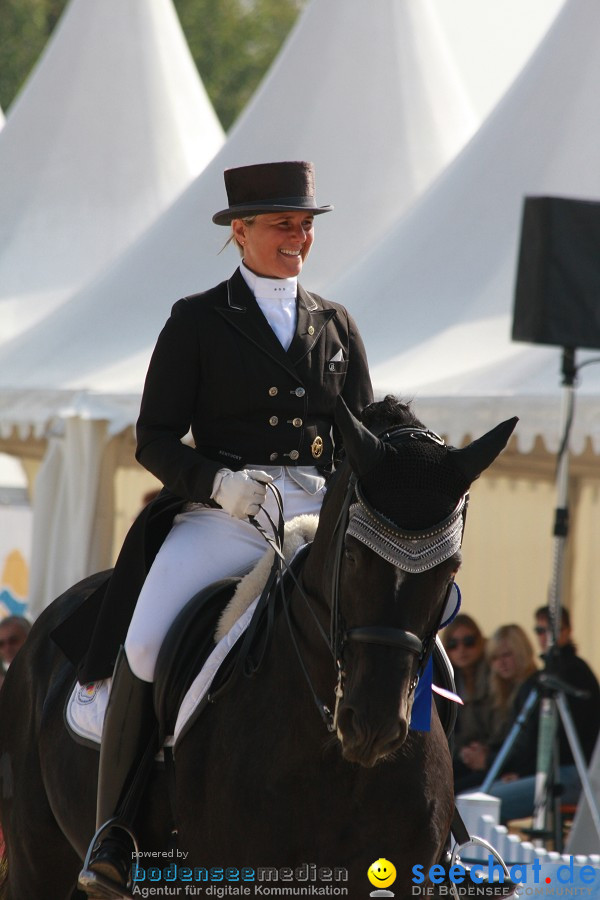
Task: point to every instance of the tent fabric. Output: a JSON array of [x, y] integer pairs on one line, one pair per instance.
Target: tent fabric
[[378, 135], [491, 42], [442, 281], [73, 489], [365, 129], [110, 128]]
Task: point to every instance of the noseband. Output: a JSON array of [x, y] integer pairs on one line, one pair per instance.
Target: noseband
[[411, 551]]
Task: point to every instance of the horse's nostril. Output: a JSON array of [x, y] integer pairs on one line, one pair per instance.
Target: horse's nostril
[[367, 742], [347, 724]]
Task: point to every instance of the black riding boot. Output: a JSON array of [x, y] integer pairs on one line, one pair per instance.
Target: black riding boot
[[129, 728]]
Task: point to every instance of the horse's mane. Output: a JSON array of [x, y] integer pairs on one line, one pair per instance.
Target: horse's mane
[[377, 417], [388, 413]]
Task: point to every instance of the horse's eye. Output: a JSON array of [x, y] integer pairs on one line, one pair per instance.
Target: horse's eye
[[349, 556]]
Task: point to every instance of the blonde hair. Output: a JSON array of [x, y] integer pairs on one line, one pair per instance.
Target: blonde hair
[[502, 689], [247, 220]]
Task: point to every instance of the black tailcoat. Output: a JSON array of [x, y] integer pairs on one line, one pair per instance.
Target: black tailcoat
[[219, 370]]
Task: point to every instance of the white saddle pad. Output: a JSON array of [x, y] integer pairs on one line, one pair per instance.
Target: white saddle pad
[[87, 705], [86, 708]]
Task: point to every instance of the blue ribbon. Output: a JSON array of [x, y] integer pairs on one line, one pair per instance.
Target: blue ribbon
[[420, 719]]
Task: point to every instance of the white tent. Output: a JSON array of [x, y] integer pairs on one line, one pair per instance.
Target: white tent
[[367, 145], [421, 121], [438, 320], [111, 126], [492, 41], [378, 133]]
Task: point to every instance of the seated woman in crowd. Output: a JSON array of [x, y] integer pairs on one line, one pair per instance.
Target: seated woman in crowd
[[465, 646], [511, 658]]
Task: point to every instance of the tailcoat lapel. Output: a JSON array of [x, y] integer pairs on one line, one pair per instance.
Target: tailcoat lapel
[[244, 314], [312, 319]]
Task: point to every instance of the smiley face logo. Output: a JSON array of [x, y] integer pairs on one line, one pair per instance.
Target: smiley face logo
[[382, 873]]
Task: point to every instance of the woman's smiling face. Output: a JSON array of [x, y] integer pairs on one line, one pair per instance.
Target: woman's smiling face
[[275, 245]]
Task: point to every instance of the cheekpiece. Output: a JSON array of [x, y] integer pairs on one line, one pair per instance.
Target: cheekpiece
[[268, 188], [411, 551]]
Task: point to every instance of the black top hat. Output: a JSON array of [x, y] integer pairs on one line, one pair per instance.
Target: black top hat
[[267, 188]]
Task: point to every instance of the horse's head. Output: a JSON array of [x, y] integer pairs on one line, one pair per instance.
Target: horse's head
[[396, 557]]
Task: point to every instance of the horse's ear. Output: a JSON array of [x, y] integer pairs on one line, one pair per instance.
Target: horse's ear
[[363, 449], [480, 454]]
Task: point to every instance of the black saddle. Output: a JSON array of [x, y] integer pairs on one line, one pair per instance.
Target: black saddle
[[187, 646], [190, 640]]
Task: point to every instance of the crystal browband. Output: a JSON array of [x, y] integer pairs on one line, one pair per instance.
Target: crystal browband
[[411, 551]]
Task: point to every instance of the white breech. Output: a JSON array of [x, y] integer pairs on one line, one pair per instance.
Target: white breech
[[203, 546]]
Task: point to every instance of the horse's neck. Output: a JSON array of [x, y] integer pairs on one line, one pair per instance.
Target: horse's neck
[[304, 630], [318, 569], [310, 603], [300, 663]]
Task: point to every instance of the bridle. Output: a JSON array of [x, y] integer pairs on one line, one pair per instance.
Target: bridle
[[381, 535], [376, 525]]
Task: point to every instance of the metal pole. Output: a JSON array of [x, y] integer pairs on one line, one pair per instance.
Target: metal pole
[[556, 702], [561, 520], [547, 721]]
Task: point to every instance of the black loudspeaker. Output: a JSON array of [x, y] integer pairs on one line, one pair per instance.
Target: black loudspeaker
[[557, 295]]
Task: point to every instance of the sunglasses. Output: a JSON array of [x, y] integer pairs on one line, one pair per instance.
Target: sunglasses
[[468, 641], [9, 641], [541, 629]]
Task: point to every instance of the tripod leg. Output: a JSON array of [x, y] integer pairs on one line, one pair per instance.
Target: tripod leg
[[580, 763], [509, 741], [557, 797]]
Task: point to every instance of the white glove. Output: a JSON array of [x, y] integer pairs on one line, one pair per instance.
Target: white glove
[[242, 493]]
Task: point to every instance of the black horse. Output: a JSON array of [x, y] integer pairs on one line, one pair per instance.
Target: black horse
[[262, 785]]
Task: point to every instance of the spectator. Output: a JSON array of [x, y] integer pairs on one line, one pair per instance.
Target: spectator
[[516, 786], [511, 658], [13, 632], [465, 646], [575, 672]]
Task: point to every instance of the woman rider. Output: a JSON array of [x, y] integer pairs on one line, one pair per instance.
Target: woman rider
[[253, 367]]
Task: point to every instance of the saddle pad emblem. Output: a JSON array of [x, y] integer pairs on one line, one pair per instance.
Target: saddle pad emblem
[[87, 693], [316, 448]]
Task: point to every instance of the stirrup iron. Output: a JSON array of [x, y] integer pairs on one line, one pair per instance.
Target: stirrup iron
[[104, 888]]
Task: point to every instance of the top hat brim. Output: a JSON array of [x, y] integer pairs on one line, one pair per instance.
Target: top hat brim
[[226, 216]]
